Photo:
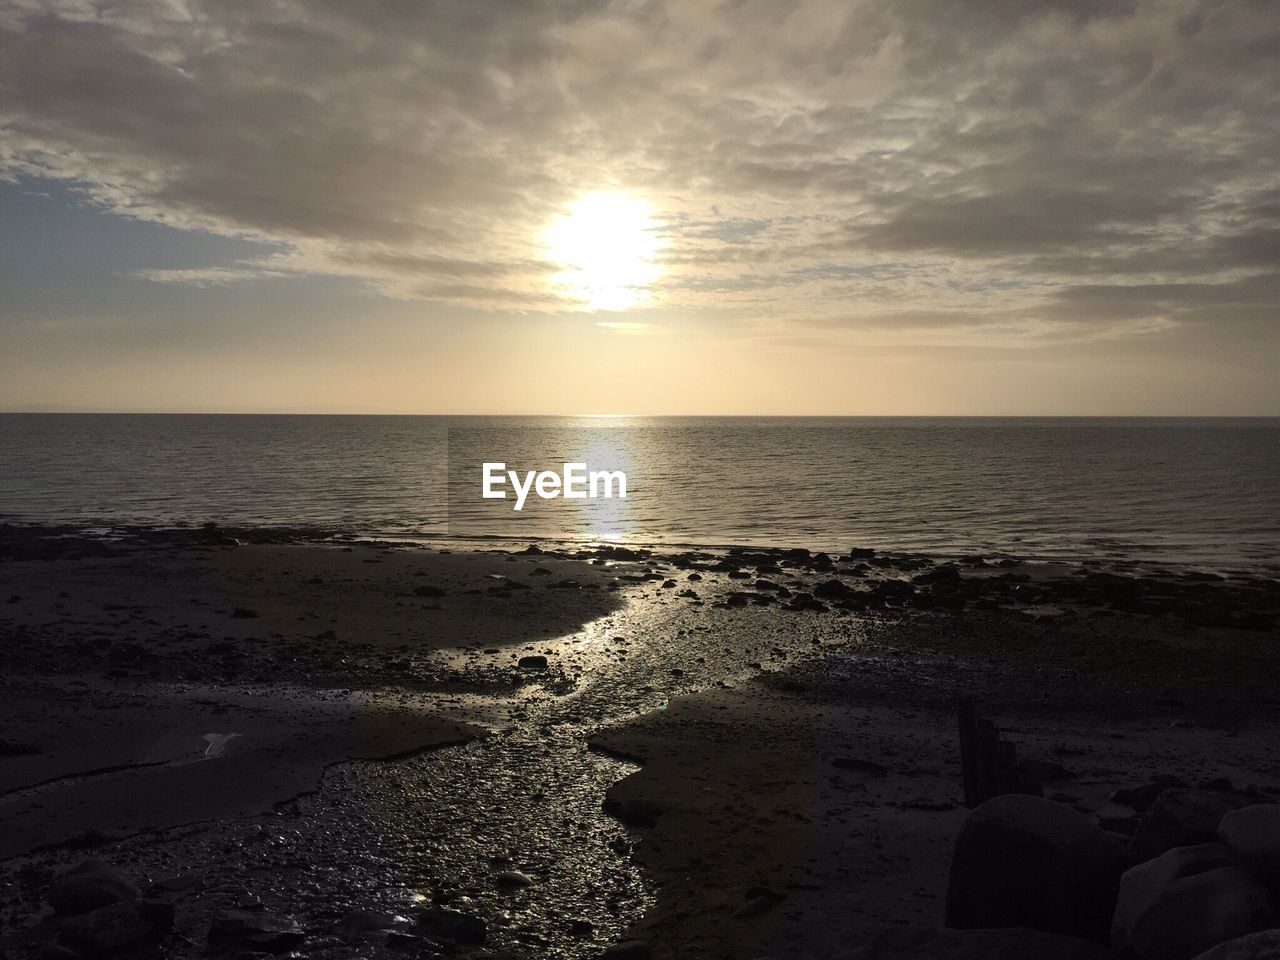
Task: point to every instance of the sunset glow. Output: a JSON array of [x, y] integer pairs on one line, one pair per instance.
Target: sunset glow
[[605, 246]]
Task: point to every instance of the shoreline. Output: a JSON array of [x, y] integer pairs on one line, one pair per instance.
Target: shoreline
[[539, 691], [209, 532]]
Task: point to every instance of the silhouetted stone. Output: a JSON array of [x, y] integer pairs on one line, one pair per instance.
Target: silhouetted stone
[[1253, 834], [512, 879], [633, 811], [1256, 946], [1023, 861], [126, 926], [942, 574], [361, 924], [1141, 798], [1181, 818], [1142, 886], [532, 662], [1173, 908], [831, 589], [90, 885], [258, 932]]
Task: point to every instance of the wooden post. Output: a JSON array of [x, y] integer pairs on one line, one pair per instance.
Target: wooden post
[[989, 762], [969, 753]]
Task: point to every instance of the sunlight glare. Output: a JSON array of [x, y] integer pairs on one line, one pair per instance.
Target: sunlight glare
[[605, 246]]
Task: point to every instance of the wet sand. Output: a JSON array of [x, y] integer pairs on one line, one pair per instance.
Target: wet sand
[[726, 754]]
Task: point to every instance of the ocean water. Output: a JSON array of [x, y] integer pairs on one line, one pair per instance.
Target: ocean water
[[1200, 492]]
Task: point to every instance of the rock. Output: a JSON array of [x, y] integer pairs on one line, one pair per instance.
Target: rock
[[429, 591], [532, 662], [1140, 798], [627, 950], [1165, 913], [831, 589], [419, 947], [942, 574], [121, 927], [512, 878], [1253, 834], [244, 613], [256, 931], [1142, 886], [363, 924], [453, 925], [633, 811], [1255, 946], [1181, 818], [1004, 944], [89, 886], [1023, 861]]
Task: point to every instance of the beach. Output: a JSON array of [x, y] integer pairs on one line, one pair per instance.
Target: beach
[[676, 752]]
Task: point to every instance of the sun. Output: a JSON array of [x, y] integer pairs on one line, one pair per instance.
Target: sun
[[605, 247]]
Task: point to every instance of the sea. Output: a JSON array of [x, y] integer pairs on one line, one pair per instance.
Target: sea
[[1197, 492]]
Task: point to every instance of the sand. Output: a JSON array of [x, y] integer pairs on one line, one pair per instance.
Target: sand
[[717, 766]]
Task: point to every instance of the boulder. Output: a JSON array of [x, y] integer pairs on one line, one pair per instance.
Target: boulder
[[1181, 818], [88, 886], [513, 879], [361, 925], [1256, 946], [1023, 861], [1253, 834], [1141, 798], [831, 589], [1142, 887], [633, 811], [119, 928], [252, 932], [1005, 944], [1186, 901]]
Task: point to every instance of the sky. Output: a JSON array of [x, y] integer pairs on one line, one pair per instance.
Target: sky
[[873, 207]]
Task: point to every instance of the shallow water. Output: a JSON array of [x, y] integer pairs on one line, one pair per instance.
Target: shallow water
[[1194, 491]]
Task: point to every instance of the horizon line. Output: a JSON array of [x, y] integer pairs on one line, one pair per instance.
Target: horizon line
[[640, 416]]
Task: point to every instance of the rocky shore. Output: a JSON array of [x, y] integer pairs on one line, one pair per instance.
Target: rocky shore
[[227, 742]]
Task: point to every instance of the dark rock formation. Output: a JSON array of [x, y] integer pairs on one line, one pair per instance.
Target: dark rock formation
[[1023, 861]]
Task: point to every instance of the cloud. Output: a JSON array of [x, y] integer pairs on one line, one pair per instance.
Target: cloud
[[1100, 165]]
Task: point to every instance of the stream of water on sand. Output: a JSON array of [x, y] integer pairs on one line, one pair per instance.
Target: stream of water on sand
[[439, 826]]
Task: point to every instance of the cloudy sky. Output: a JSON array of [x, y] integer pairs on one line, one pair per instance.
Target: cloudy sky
[[885, 206]]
